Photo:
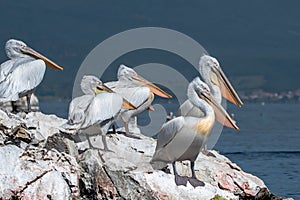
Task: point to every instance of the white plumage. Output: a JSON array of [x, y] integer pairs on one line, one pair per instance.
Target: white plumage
[[78, 107], [25, 70], [219, 85], [182, 138], [18, 81], [134, 93], [93, 113], [104, 106], [137, 90]]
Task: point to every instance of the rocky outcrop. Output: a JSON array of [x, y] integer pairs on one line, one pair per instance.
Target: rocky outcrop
[[40, 160]]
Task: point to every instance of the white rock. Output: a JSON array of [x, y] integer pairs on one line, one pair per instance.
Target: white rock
[[124, 173], [46, 125], [36, 173]]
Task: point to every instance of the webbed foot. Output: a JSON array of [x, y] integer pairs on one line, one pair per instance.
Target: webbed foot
[[130, 135], [181, 180], [208, 153], [195, 182]]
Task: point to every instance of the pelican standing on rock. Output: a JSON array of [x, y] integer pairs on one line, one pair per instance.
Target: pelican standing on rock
[[182, 138], [214, 77], [25, 70], [137, 90], [95, 111]]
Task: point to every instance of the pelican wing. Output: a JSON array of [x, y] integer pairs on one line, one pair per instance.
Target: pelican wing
[[132, 92], [188, 109], [20, 76], [168, 132], [104, 106], [9, 66], [112, 84], [77, 109], [5, 69]]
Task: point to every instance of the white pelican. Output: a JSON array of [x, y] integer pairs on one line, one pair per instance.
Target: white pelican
[[25, 70], [214, 77], [137, 90], [95, 111], [182, 137]]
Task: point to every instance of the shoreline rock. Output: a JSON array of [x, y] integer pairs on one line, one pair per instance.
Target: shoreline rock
[[41, 161]]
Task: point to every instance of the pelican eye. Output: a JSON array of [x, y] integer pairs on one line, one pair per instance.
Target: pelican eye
[[216, 64]]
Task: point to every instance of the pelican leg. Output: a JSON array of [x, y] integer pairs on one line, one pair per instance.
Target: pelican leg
[[104, 143], [114, 128], [193, 180], [127, 133], [179, 180], [91, 146], [28, 97], [114, 131], [207, 152], [126, 125], [14, 107]]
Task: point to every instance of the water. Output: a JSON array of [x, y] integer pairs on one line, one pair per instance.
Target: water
[[267, 146]]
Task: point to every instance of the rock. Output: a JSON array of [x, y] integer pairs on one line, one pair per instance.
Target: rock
[[129, 169], [36, 174], [95, 183], [42, 162], [62, 144]]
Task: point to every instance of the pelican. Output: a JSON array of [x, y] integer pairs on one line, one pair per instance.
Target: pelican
[[214, 77], [182, 137], [219, 85], [137, 90], [95, 111], [25, 70]]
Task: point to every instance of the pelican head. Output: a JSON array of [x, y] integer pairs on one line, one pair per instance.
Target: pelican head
[[127, 74], [200, 87], [91, 85], [18, 49], [13, 48], [203, 93], [212, 73]]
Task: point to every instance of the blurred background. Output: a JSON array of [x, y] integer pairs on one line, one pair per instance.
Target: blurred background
[[256, 42]]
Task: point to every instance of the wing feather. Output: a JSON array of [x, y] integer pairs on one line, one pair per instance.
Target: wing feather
[[20, 76], [132, 92], [168, 132], [77, 109], [103, 107]]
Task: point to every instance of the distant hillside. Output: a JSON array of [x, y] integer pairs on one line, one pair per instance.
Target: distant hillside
[[257, 42]]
